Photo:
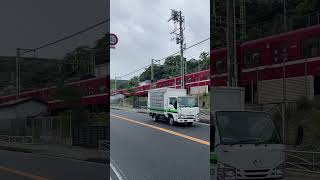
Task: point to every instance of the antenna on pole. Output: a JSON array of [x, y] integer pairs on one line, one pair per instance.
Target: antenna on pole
[[178, 20]]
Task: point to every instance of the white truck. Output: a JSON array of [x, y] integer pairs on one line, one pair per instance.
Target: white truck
[[173, 105], [244, 144]]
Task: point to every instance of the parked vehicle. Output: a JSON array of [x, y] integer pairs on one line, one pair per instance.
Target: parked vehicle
[[244, 144]]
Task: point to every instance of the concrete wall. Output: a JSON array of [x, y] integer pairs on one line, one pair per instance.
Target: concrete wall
[[15, 115], [116, 98]]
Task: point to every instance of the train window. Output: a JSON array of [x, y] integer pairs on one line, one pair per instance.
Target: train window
[[311, 47], [221, 66], [252, 59], [280, 54], [102, 89], [189, 79]]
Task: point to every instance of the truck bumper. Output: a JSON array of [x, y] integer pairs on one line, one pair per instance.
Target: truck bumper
[[186, 120]]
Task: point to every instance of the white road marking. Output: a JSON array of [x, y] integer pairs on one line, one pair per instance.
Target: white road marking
[[117, 171]]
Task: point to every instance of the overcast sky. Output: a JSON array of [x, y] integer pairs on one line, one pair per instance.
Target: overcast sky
[[32, 23], [144, 31]]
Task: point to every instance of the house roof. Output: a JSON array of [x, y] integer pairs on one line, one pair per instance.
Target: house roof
[[20, 101]]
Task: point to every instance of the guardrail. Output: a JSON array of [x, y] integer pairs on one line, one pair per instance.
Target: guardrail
[[303, 161], [16, 139], [104, 145]]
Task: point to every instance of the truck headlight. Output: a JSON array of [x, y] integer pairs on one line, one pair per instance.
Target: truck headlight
[[278, 171], [226, 172], [182, 116]]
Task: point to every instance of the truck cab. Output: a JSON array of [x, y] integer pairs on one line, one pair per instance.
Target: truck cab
[[183, 109]]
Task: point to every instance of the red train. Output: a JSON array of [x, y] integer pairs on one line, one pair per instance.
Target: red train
[[263, 59], [94, 92], [200, 78]]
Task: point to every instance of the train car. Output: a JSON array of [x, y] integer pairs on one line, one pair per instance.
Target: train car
[[94, 93], [170, 82], [264, 62], [201, 78], [218, 66]]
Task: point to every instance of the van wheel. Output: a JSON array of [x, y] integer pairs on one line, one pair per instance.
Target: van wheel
[[154, 118], [171, 121]]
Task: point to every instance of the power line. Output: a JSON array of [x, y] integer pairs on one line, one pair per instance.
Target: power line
[[67, 37], [198, 53], [134, 71], [200, 42]]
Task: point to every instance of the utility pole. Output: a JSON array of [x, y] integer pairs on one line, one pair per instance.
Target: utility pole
[[178, 19], [152, 72], [185, 65], [181, 50], [91, 66], [198, 84], [17, 72], [243, 15], [285, 15], [18, 54], [283, 113], [231, 43]]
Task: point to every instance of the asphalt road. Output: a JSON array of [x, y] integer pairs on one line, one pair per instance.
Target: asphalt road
[[145, 150], [25, 166]]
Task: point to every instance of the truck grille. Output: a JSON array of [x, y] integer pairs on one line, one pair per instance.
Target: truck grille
[[188, 117], [261, 174]]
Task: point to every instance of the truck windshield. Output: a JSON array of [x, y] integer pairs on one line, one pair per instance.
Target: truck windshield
[[246, 128], [187, 102]]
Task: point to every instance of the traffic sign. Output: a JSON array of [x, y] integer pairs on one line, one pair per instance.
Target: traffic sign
[[113, 39]]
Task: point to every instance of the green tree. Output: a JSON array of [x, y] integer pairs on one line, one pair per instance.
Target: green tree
[[71, 96]]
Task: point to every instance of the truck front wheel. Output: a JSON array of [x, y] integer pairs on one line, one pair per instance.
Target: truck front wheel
[[171, 121], [154, 118]]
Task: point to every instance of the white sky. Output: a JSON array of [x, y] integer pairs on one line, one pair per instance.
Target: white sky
[[144, 32]]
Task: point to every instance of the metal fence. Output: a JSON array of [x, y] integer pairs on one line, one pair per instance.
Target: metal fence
[[43, 130], [104, 145], [16, 139], [304, 161], [91, 136]]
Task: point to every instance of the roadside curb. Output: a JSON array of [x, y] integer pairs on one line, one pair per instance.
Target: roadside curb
[[37, 152], [205, 121], [15, 149]]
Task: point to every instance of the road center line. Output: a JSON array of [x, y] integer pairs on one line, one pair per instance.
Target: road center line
[[13, 171], [165, 130]]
